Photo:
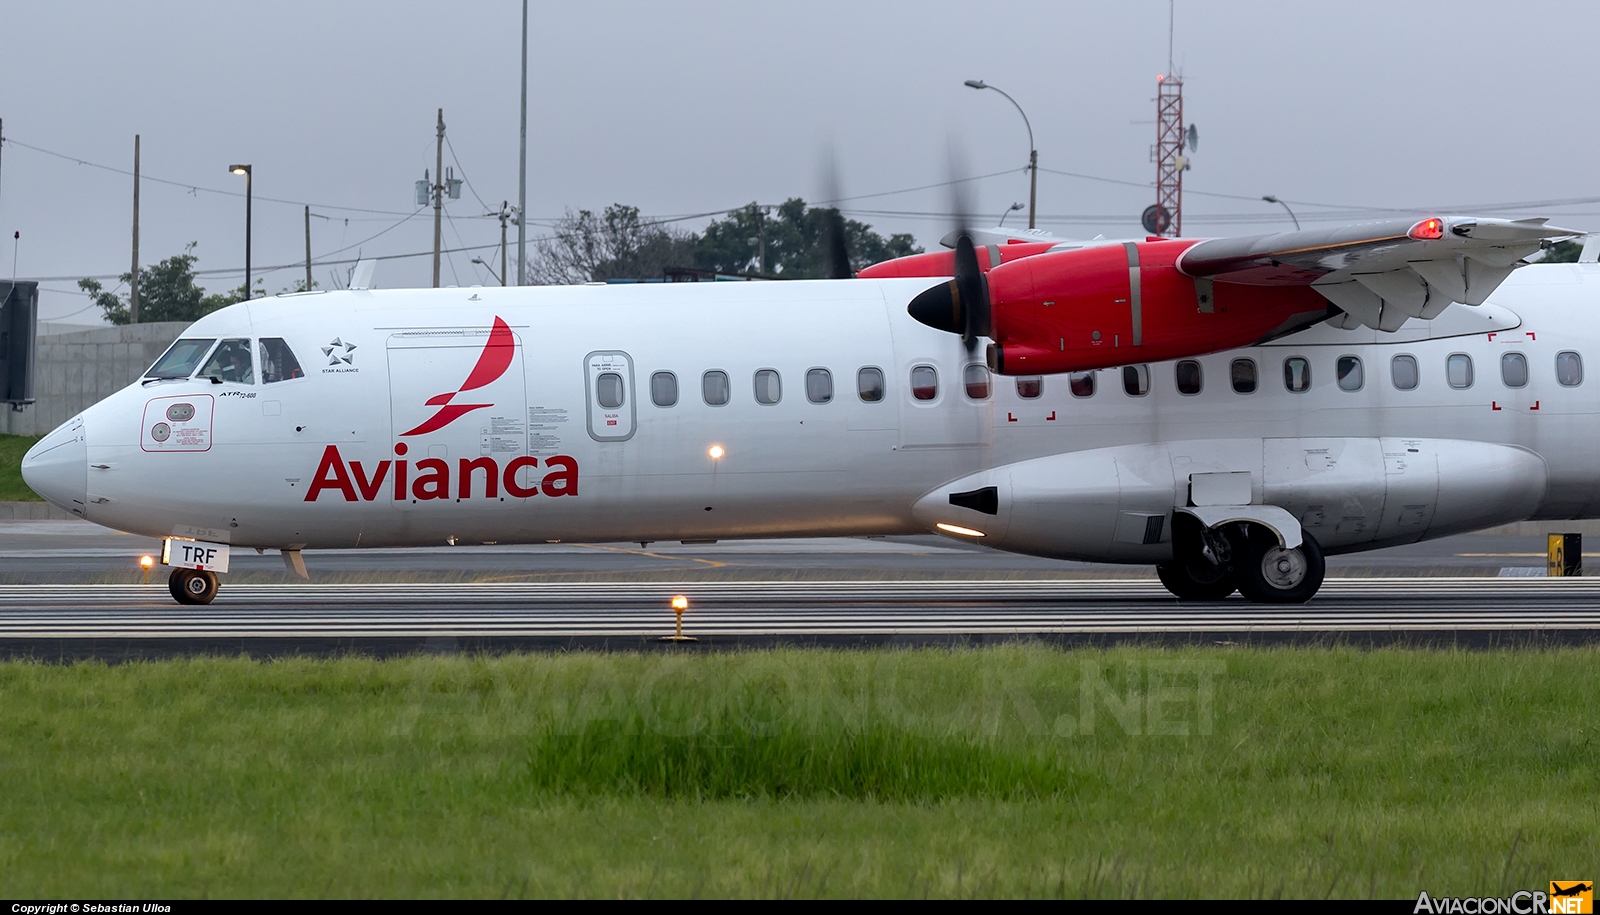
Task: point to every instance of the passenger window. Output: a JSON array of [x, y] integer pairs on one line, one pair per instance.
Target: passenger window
[[180, 358], [869, 384], [277, 361], [1569, 369], [1136, 380], [1297, 374], [1029, 388], [976, 380], [1242, 372], [769, 388], [1082, 384], [1514, 370], [608, 390], [714, 387], [819, 385], [230, 362], [924, 382], [1403, 369], [1458, 370], [1188, 372], [663, 389], [1350, 375]]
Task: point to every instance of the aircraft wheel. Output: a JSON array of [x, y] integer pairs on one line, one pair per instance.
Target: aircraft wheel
[[1199, 580], [1269, 574], [191, 587]]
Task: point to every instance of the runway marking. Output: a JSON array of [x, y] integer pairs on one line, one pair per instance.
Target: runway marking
[[786, 608], [618, 549]]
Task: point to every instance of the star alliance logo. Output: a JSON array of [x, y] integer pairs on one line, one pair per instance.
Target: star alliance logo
[[334, 354]]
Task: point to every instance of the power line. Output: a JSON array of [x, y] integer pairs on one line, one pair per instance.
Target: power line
[[193, 187]]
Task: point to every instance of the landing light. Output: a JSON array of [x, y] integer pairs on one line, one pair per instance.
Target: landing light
[[1428, 229], [957, 529], [716, 452]]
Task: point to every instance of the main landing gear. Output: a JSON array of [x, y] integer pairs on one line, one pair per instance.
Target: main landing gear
[[189, 586], [1209, 564]]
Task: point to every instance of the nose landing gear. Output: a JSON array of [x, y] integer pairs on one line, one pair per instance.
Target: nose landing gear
[[189, 586]]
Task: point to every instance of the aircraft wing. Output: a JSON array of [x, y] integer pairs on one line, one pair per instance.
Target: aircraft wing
[[1380, 273]]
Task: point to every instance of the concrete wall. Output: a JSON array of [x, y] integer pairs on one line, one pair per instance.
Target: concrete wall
[[75, 370]]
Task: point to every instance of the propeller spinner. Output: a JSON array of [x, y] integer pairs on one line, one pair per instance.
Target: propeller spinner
[[961, 305]]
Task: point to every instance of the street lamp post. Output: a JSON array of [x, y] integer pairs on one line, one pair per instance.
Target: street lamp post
[[1009, 210], [1271, 199], [249, 180], [488, 267], [1033, 152]]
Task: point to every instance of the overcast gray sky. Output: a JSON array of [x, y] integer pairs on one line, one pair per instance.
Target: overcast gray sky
[[690, 107]]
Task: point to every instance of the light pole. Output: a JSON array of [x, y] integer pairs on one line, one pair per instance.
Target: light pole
[[485, 264], [522, 165], [249, 180], [1033, 153], [1009, 210], [1271, 199]]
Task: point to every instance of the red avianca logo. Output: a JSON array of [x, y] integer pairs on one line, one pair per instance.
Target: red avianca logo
[[432, 478], [492, 363]]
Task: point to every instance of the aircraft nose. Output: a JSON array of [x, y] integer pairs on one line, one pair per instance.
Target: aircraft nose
[[57, 467]]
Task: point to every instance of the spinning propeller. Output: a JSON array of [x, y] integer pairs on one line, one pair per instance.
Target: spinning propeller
[[961, 305]]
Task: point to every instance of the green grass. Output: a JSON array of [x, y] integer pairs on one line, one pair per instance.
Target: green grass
[[12, 448], [1018, 771]]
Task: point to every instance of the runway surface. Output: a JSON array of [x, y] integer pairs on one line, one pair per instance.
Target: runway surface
[[80, 552], [136, 620]]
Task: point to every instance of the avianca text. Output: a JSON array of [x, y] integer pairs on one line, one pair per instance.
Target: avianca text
[[480, 477]]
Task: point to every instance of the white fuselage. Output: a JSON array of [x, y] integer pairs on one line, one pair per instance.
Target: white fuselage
[[312, 461]]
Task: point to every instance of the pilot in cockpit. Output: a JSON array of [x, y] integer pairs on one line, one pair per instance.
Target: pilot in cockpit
[[230, 363]]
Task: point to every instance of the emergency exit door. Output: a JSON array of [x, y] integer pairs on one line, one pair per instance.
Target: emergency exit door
[[608, 378]]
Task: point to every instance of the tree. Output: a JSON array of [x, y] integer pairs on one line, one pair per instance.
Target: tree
[[618, 245], [167, 292], [1563, 252], [614, 245], [795, 237]]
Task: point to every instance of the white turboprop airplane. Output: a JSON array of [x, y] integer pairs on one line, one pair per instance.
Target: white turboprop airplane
[[823, 409]]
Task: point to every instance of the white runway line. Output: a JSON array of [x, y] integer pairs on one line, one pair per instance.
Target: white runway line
[[784, 608]]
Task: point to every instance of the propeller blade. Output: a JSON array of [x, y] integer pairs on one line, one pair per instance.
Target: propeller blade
[[973, 292], [960, 306], [835, 247]]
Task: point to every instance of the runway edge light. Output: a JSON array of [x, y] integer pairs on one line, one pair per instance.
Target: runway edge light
[[679, 605]]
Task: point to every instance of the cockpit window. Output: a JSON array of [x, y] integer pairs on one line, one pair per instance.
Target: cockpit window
[[277, 361], [180, 359], [231, 362]]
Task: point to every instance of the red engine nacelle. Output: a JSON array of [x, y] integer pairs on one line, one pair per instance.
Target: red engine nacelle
[[943, 263], [1118, 304]]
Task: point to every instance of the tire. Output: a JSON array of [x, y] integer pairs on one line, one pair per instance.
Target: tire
[[191, 587], [1269, 574], [1198, 580]]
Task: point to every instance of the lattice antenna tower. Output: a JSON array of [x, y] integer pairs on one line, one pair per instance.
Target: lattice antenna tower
[[1169, 150]]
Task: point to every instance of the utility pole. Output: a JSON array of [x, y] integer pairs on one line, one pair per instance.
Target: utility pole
[[308, 247], [438, 201], [133, 282], [505, 210], [522, 166], [1033, 186]]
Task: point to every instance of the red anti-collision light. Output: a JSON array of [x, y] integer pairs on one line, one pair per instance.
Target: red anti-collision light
[[1428, 229]]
